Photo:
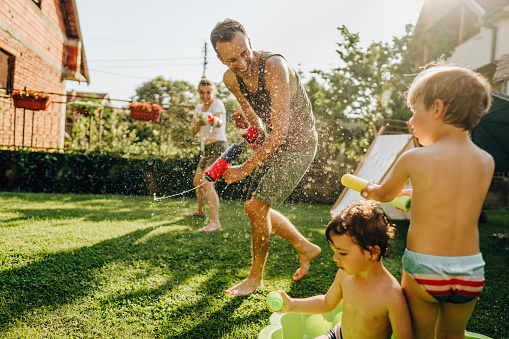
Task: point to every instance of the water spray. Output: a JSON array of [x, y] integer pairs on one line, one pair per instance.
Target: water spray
[[174, 195], [220, 165]]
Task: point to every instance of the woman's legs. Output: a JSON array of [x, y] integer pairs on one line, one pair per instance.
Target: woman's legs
[[213, 199], [200, 194]]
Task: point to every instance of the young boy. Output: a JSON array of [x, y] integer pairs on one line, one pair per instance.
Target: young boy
[[443, 267], [373, 303]]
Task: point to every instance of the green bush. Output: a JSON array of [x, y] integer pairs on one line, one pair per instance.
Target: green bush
[[93, 173], [98, 173]]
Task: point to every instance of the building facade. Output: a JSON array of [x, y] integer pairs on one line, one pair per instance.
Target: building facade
[[480, 35], [40, 49]]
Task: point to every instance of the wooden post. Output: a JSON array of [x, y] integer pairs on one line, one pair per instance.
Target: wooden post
[[90, 131], [99, 139]]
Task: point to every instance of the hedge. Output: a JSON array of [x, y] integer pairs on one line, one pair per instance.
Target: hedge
[[97, 173], [32, 171]]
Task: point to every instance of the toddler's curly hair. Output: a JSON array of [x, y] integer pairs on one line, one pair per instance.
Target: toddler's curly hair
[[366, 222]]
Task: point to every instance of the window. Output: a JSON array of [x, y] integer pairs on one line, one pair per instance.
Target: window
[[6, 70]]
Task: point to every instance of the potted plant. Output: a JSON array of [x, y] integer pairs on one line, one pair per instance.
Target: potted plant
[[240, 121], [145, 111], [30, 99], [84, 107]]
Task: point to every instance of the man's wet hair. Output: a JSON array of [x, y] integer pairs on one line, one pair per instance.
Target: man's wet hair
[[224, 31]]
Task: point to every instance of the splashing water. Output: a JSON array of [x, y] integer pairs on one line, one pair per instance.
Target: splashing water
[[174, 195]]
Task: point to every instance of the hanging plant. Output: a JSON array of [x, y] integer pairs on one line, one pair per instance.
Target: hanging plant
[[29, 99], [240, 121], [145, 111]]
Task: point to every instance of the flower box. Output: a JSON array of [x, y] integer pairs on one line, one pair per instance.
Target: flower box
[[29, 99], [240, 121], [145, 111], [144, 115], [31, 103]]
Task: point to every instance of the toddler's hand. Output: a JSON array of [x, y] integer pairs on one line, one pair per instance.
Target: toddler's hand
[[407, 192], [286, 303]]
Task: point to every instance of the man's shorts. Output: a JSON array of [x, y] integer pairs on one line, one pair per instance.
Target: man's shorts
[[211, 153], [455, 280], [274, 180]]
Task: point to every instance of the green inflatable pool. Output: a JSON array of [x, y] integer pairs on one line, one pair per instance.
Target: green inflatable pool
[[308, 326]]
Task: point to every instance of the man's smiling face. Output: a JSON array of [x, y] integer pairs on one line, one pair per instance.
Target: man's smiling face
[[237, 55]]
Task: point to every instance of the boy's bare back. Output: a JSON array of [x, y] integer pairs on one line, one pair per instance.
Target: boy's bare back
[[450, 179]]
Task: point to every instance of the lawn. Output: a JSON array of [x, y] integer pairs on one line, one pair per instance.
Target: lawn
[[109, 266]]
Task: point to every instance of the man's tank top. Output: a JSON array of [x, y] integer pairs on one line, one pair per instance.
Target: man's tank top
[[301, 132]]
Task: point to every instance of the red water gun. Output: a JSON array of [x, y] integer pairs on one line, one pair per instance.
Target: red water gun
[[221, 164]]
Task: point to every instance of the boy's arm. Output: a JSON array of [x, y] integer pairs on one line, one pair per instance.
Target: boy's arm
[[396, 181], [317, 304], [399, 315]]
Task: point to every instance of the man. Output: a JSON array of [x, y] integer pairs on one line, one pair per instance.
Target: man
[[268, 88]]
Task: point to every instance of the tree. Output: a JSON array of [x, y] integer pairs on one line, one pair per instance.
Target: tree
[[369, 84], [168, 92]]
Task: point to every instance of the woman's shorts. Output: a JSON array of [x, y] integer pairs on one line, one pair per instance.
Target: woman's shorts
[[211, 153]]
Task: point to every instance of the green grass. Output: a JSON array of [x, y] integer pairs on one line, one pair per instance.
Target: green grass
[[104, 266]]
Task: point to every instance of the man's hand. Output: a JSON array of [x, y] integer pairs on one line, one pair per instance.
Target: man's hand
[[258, 142], [234, 174]]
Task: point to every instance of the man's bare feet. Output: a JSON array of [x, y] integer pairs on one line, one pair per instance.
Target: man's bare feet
[[248, 286], [196, 214], [305, 259], [211, 227]]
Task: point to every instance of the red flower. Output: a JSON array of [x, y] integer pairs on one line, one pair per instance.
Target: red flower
[[29, 94], [146, 106]]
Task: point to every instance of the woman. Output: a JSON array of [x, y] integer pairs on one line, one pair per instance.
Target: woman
[[209, 122]]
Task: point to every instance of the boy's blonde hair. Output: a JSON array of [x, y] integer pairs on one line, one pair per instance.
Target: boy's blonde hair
[[465, 93]]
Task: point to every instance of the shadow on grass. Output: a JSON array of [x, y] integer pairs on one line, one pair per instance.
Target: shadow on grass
[[209, 263], [62, 278], [59, 278]]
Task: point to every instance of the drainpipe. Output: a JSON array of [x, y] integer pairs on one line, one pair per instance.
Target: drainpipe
[[494, 29]]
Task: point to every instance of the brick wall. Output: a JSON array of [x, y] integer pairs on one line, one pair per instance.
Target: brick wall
[[36, 37]]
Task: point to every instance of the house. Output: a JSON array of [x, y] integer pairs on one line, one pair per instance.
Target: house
[[479, 31], [41, 48]]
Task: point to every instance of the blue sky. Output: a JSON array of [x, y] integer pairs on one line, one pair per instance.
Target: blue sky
[[129, 42]]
